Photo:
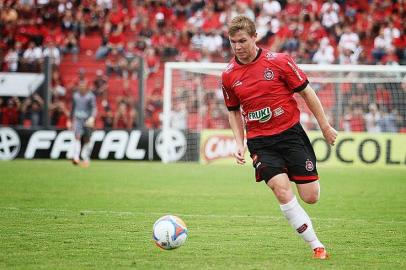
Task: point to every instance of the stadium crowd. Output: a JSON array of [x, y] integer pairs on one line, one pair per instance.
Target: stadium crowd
[[312, 31]]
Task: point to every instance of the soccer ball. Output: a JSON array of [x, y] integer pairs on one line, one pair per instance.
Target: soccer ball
[[169, 232]]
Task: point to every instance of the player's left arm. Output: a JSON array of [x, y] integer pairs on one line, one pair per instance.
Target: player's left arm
[[314, 104], [91, 120]]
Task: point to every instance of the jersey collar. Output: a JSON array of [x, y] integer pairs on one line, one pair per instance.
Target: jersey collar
[[256, 57]]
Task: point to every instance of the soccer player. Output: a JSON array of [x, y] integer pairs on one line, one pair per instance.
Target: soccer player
[[258, 88], [83, 115]]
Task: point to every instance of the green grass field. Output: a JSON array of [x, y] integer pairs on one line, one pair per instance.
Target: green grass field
[[56, 216]]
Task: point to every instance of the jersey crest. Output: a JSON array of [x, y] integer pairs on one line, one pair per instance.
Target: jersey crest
[[268, 74]]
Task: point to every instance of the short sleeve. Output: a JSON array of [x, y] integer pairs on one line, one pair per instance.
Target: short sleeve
[[294, 77], [231, 100]]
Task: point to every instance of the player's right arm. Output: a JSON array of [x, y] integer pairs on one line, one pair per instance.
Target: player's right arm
[[237, 126], [235, 118]]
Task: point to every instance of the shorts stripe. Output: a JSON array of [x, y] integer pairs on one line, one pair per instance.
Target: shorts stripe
[[304, 177]]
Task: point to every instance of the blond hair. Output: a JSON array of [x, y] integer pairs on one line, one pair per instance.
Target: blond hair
[[241, 23]]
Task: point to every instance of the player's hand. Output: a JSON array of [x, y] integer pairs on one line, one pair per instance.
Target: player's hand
[[90, 122], [69, 124], [240, 155], [330, 134]]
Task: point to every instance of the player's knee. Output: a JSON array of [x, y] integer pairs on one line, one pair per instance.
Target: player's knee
[[283, 194], [310, 198]]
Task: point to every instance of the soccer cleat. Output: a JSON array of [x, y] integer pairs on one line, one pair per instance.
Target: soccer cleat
[[320, 253], [75, 161]]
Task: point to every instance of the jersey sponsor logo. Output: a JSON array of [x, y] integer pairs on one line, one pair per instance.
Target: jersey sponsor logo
[[270, 55], [302, 228], [268, 74], [278, 111], [293, 67], [309, 165], [261, 115]]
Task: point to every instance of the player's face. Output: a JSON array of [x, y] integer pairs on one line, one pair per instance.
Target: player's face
[[243, 46]]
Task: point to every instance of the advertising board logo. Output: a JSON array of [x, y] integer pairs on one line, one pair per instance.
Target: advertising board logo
[[219, 146], [172, 147], [9, 144]]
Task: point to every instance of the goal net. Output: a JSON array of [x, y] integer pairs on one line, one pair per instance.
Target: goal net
[[352, 96]]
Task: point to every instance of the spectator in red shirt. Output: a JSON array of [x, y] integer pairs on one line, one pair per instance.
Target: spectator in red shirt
[[59, 114], [10, 112], [123, 118], [152, 61]]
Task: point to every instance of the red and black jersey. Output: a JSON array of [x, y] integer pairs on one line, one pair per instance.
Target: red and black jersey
[[264, 89]]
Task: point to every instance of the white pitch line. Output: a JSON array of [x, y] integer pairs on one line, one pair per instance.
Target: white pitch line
[[129, 213]]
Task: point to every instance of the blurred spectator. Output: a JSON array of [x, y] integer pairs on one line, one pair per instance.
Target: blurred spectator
[[32, 58], [152, 62], [124, 117], [271, 7], [12, 59], [59, 114], [106, 115], [353, 119], [329, 14], [70, 45], [263, 21], [348, 57], [390, 121], [31, 111], [212, 42], [115, 63], [10, 112], [132, 57], [153, 109], [115, 19], [349, 40], [373, 118], [100, 84], [383, 97], [69, 24], [116, 41], [381, 46], [52, 52], [57, 88], [179, 115], [325, 53], [400, 47]]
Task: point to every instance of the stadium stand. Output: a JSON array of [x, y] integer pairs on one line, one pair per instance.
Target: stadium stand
[[101, 41]]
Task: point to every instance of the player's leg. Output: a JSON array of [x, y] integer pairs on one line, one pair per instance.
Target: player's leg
[[76, 150], [281, 187], [301, 167], [294, 213], [86, 147], [77, 129], [309, 192]]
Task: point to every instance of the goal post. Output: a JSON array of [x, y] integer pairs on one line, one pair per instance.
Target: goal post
[[192, 101]]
